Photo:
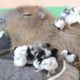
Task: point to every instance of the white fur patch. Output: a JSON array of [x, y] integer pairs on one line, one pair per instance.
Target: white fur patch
[[47, 52], [59, 24], [60, 73], [49, 64], [1, 33], [64, 52], [36, 64], [76, 10], [70, 58], [21, 50], [20, 56], [72, 18], [20, 61]]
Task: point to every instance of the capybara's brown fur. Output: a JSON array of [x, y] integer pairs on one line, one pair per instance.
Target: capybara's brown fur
[[25, 29], [31, 25]]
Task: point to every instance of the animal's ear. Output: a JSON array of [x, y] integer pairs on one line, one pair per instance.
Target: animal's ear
[[66, 9], [14, 48], [46, 45], [54, 50], [41, 15]]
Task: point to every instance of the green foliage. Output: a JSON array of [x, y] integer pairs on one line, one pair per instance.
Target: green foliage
[[55, 11]]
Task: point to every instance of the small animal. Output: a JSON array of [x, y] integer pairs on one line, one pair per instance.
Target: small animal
[[50, 64], [60, 73], [22, 54], [69, 57], [30, 52], [45, 52], [42, 52], [20, 50], [69, 17], [45, 45], [75, 10], [54, 52], [72, 18], [40, 55], [65, 12], [60, 23]]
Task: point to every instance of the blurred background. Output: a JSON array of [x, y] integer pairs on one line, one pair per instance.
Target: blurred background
[[53, 6]]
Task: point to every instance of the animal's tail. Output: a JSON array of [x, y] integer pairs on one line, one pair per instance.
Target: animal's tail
[[60, 73]]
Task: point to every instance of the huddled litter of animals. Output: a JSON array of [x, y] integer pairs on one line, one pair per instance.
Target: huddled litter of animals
[[68, 17], [43, 56]]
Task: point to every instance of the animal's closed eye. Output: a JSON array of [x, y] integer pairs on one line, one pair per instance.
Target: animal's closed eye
[[27, 14]]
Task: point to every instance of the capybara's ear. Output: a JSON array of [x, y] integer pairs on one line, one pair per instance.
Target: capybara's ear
[[41, 15]]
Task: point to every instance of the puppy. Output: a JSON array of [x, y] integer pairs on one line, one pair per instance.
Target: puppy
[[65, 12], [72, 18], [50, 64], [60, 23], [69, 57], [43, 54], [22, 54], [75, 10]]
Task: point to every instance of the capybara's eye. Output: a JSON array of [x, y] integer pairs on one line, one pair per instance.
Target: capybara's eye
[[27, 14]]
